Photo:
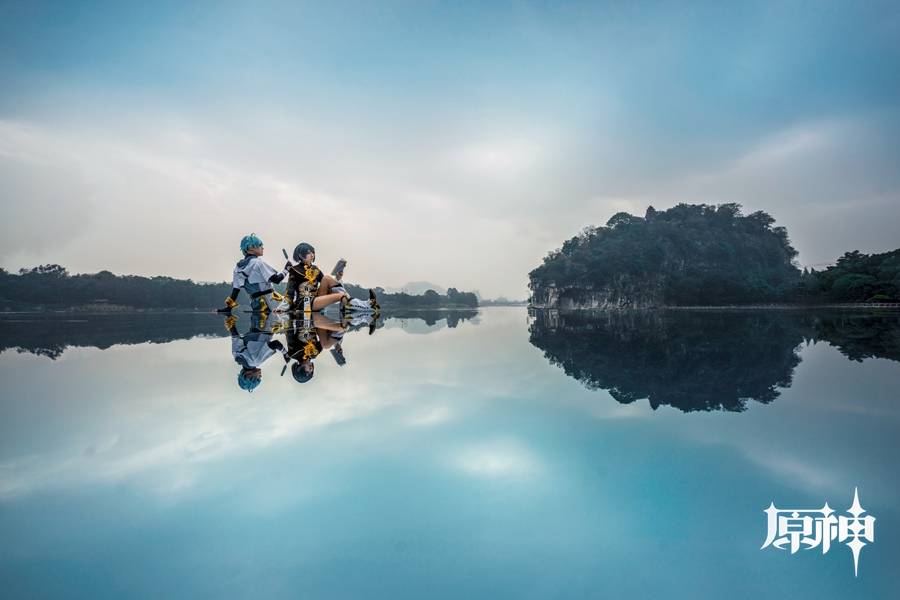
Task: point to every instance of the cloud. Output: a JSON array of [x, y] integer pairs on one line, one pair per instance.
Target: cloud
[[174, 199], [815, 177], [450, 145], [496, 459]]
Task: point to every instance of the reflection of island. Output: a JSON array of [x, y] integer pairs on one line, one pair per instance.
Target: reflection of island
[[705, 360], [858, 335]]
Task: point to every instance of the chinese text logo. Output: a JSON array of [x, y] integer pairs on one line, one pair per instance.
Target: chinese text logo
[[810, 528]]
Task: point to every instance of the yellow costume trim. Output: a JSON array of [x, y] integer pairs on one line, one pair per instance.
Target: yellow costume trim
[[311, 274], [310, 351]]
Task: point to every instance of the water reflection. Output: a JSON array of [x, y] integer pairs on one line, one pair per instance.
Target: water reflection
[[305, 339], [702, 360], [459, 461], [51, 334], [308, 338]]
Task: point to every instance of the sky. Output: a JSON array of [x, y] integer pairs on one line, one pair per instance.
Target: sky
[[451, 142]]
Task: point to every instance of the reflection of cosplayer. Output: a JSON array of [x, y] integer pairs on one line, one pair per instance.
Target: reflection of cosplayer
[[256, 277], [311, 290], [252, 349], [305, 343]]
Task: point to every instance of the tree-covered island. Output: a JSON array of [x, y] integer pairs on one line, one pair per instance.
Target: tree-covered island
[[701, 255]]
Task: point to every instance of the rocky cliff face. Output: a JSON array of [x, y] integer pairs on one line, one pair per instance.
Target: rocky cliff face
[[573, 297]]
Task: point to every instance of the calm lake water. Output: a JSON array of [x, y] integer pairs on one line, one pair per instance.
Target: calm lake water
[[478, 454]]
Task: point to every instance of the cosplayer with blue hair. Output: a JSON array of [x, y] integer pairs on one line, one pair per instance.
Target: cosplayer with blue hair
[[250, 241], [248, 379], [253, 275], [252, 349]]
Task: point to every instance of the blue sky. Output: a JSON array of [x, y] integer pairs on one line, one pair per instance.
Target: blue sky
[[452, 142]]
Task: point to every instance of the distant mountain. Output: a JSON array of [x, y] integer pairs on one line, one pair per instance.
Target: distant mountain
[[417, 288], [502, 301]]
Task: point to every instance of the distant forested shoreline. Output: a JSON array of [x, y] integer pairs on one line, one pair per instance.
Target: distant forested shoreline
[[52, 287]]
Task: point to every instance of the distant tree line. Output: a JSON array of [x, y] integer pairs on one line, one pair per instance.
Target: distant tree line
[[856, 277], [53, 287], [430, 299], [698, 254]]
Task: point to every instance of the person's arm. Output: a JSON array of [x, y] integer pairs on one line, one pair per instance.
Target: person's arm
[[277, 346], [291, 290], [230, 301], [278, 277], [231, 326], [237, 282]]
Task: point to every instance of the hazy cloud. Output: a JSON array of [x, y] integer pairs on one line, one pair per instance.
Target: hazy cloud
[[445, 142]]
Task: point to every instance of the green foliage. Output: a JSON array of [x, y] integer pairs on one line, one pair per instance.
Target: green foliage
[[688, 254], [430, 299], [856, 277], [52, 287], [706, 359]]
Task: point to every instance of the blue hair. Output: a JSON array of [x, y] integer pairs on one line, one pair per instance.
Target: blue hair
[[250, 241], [247, 383]]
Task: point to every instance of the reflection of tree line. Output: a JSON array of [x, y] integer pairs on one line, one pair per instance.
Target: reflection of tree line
[[707, 360], [432, 317], [50, 334]]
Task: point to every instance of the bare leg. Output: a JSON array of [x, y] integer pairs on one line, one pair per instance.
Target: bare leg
[[326, 284], [325, 339], [325, 329], [323, 323], [320, 302], [324, 295]]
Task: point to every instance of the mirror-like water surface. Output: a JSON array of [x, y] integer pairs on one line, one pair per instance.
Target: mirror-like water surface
[[476, 454]]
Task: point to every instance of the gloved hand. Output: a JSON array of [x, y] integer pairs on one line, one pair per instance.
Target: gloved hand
[[230, 303], [230, 322]]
